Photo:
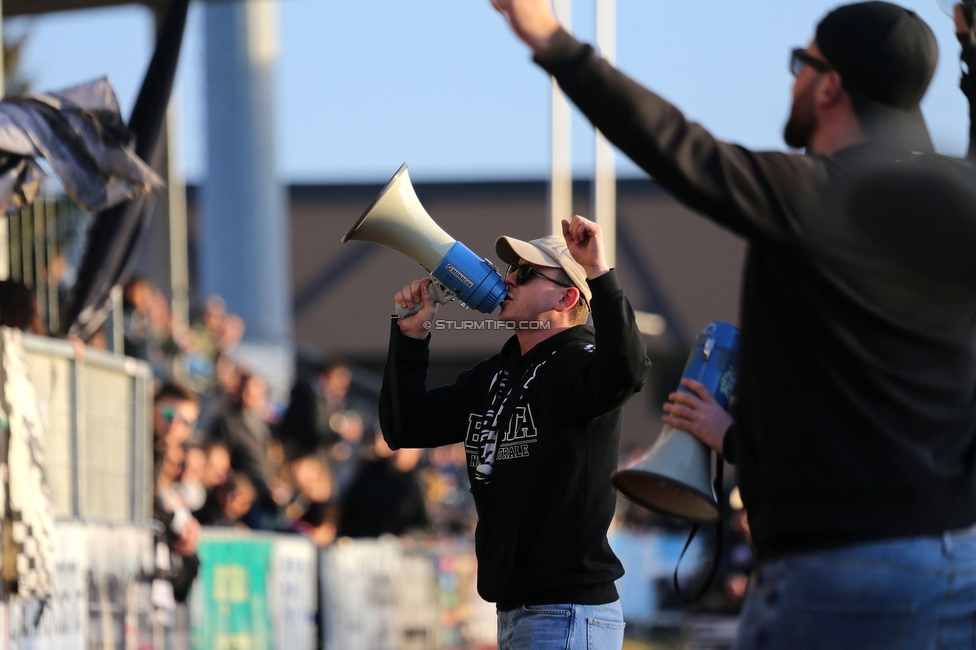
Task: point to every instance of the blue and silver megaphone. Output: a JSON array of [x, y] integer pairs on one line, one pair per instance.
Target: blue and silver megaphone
[[398, 221], [675, 476]]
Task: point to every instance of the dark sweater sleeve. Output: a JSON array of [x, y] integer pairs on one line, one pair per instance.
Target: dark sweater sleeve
[[424, 418], [968, 85], [603, 378], [753, 194], [730, 444]]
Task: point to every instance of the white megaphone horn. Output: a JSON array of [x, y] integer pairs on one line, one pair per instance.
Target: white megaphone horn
[[397, 220], [675, 476]]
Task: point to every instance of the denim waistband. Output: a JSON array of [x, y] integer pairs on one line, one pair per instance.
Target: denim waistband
[[963, 532]]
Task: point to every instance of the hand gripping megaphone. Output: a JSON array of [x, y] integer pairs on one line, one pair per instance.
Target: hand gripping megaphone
[[675, 476], [396, 220]]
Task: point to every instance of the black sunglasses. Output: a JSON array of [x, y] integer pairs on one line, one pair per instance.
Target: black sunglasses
[[800, 57], [524, 271]]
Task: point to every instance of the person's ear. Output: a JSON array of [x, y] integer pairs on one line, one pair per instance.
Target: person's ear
[[830, 90], [569, 298]]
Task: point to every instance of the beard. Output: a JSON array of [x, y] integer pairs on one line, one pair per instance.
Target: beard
[[802, 121]]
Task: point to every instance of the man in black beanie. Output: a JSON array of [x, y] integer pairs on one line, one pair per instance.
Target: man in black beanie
[[856, 412]]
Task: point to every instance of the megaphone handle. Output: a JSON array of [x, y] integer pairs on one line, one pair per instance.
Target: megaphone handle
[[442, 295]]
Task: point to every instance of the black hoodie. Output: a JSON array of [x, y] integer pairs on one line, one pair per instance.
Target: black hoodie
[[544, 515], [856, 404]]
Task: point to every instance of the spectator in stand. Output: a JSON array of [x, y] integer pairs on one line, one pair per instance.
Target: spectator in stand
[[18, 307], [448, 492], [228, 375], [218, 395], [178, 531], [385, 496], [147, 325], [311, 510], [175, 411], [237, 498], [136, 325], [244, 430], [167, 354], [56, 272], [171, 463], [281, 483], [190, 485], [98, 341], [216, 333], [174, 416], [740, 556], [322, 415], [299, 431], [314, 400], [215, 474]]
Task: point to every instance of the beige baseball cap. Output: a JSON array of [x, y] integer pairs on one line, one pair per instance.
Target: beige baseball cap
[[548, 251]]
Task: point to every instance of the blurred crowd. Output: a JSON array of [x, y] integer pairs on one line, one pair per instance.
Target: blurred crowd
[[228, 454]]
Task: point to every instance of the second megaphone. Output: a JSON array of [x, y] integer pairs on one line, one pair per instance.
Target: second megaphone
[[674, 476], [397, 220]]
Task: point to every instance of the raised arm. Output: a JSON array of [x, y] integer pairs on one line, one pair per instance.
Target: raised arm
[[728, 183], [966, 32], [533, 21], [604, 377]]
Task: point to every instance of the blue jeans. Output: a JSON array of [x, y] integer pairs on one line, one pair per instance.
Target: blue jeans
[[909, 593], [562, 627]]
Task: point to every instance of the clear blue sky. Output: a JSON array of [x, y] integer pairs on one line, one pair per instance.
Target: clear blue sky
[[363, 86]]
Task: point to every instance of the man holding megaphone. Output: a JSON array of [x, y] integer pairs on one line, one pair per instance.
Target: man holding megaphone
[[540, 422]]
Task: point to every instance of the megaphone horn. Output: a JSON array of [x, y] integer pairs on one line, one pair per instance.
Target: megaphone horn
[[397, 220], [674, 476]]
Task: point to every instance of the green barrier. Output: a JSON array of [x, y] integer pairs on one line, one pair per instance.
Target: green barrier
[[231, 596], [255, 591]]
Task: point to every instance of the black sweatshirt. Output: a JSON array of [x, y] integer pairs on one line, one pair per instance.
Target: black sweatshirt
[[856, 402], [543, 518]]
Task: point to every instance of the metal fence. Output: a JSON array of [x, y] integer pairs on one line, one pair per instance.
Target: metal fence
[[38, 246], [97, 410]]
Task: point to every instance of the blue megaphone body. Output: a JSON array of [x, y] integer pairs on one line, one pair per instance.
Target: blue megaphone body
[[475, 281], [714, 361]]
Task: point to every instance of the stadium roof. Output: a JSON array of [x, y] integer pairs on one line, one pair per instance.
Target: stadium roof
[[25, 7]]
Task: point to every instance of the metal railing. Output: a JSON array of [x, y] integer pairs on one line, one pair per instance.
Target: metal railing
[[42, 242], [97, 408]]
